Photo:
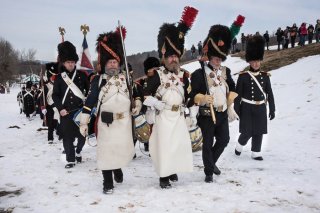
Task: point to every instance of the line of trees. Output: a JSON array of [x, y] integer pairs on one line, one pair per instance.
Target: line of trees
[[14, 63]]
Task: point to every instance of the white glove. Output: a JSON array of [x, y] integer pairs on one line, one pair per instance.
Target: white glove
[[232, 115], [154, 102], [193, 123], [159, 105], [84, 120], [193, 111], [138, 107], [44, 111]]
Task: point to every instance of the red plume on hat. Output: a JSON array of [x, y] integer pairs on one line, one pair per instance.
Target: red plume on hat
[[124, 31], [188, 17], [171, 37]]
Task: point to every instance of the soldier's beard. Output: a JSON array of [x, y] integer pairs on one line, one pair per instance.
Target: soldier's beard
[[112, 72], [172, 67]]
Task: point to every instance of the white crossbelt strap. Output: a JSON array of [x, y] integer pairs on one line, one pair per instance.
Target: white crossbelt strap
[[27, 93], [252, 102], [259, 86], [71, 86], [49, 94]]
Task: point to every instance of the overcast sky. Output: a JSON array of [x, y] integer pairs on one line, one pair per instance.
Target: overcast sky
[[34, 23]]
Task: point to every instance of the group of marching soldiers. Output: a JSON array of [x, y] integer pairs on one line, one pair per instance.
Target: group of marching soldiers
[[109, 103]]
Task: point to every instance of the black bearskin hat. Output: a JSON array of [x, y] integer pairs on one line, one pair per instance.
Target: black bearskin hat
[[51, 70], [109, 46], [29, 84], [67, 52], [218, 41], [171, 37], [255, 48], [149, 63]]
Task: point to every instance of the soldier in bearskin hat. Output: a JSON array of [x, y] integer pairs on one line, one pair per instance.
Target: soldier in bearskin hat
[[109, 91], [212, 95], [28, 100], [48, 108], [143, 129], [69, 91], [166, 95], [254, 92], [149, 65]]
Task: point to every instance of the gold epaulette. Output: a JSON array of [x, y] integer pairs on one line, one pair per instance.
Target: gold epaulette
[[266, 73], [242, 72], [92, 77], [150, 72], [186, 74], [87, 108]]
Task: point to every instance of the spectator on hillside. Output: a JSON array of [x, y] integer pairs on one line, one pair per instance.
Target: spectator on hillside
[[234, 45], [317, 31], [200, 48], [279, 35], [2, 89], [310, 33], [193, 51], [267, 39], [302, 34], [243, 41], [286, 35], [293, 34]]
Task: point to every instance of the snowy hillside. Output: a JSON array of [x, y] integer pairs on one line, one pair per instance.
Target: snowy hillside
[[286, 181]]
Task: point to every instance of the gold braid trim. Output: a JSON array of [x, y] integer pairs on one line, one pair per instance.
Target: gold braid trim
[[216, 47], [174, 47], [109, 50]]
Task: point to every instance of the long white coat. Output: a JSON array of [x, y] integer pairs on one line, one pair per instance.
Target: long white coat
[[170, 144], [115, 147]]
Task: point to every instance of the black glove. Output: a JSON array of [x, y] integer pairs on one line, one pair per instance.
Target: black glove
[[271, 115]]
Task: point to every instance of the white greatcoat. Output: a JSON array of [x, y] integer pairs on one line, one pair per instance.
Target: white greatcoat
[[170, 144], [115, 147]]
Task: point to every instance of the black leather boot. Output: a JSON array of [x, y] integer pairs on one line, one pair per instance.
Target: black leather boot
[[164, 183]]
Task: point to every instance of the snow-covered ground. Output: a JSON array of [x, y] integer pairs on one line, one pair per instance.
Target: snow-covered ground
[[286, 181]]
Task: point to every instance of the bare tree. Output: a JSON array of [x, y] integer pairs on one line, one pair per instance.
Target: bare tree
[[8, 61]]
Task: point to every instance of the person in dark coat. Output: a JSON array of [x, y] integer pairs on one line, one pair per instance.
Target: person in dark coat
[[28, 100], [251, 103], [216, 92], [200, 47], [69, 91], [267, 39], [50, 112], [150, 65], [279, 35], [317, 31], [310, 33]]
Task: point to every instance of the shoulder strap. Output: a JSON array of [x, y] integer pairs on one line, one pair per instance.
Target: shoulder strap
[[102, 92], [71, 86], [259, 86]]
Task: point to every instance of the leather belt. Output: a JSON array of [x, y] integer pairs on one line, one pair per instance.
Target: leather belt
[[120, 115], [174, 107]]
